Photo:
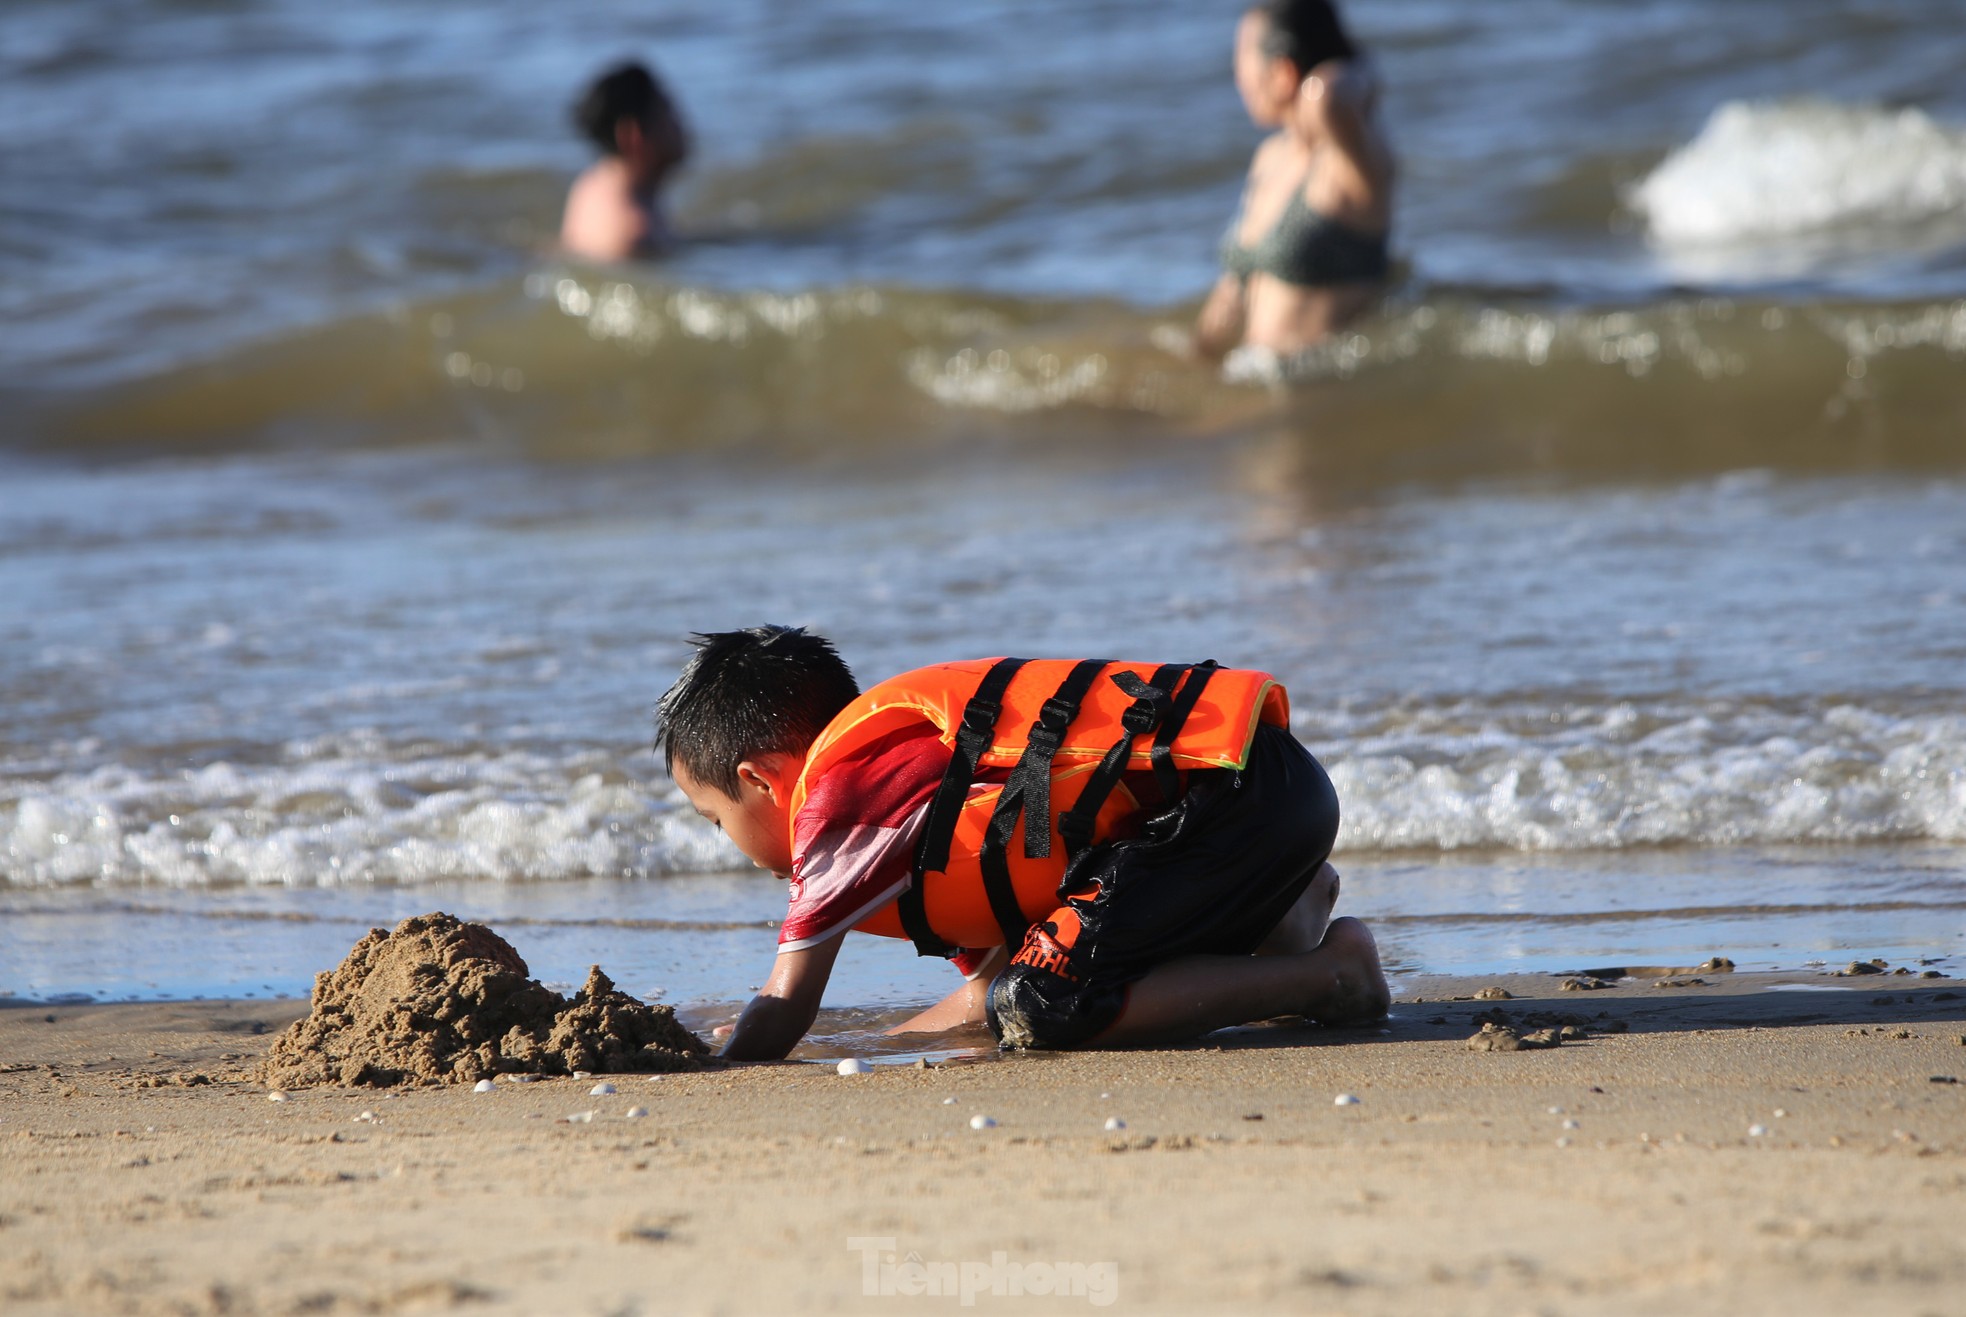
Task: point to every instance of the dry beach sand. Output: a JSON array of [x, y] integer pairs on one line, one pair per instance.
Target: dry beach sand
[[144, 1169]]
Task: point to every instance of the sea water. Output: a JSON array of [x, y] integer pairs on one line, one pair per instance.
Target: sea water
[[1617, 566]]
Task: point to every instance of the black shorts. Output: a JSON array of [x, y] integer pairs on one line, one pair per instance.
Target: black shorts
[[1212, 875]]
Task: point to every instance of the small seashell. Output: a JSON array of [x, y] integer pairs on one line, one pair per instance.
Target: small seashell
[[1105, 1095], [1556, 1111], [524, 1079], [1563, 1143], [581, 1118], [1780, 1112], [1345, 1100], [483, 1086], [853, 1065], [583, 1074], [1571, 1125], [276, 1096], [636, 1113], [602, 1089], [982, 1123], [948, 1102], [365, 1118], [1756, 1131], [1115, 1123]]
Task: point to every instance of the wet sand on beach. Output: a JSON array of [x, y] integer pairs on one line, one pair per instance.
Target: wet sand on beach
[[1750, 1143]]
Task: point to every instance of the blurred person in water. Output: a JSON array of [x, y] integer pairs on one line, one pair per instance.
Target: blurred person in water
[[1307, 251], [614, 210]]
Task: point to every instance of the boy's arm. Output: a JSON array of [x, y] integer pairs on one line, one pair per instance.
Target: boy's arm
[[961, 1007], [786, 1006]]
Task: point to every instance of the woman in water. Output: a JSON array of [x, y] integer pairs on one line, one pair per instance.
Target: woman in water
[[1307, 251]]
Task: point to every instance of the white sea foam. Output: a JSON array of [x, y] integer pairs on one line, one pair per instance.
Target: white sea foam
[[1610, 777], [353, 812], [1026, 381], [1532, 777], [1760, 170]]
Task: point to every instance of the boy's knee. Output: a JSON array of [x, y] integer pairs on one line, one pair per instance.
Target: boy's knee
[[1041, 1010]]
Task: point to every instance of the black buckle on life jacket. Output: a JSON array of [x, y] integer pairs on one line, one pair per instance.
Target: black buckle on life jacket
[[1151, 701], [1056, 713], [980, 716]]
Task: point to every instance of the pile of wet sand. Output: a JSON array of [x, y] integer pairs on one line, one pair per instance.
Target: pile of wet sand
[[440, 1001]]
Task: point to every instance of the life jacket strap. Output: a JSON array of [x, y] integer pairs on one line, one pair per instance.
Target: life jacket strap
[[1031, 779], [1166, 775], [1027, 793], [914, 921], [979, 724], [1152, 703]]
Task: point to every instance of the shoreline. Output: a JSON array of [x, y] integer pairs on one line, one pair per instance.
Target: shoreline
[[700, 940], [1236, 1182]]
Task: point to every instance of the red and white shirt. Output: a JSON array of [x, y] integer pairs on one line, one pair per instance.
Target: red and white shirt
[[853, 840]]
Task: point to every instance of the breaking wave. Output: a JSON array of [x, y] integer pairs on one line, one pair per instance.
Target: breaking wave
[[1768, 189], [358, 809], [568, 365], [1620, 775]]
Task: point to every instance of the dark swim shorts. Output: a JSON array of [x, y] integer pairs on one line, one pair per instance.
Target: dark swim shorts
[[1212, 875]]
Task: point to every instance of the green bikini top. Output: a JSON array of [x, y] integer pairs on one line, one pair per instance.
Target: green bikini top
[[1307, 249]]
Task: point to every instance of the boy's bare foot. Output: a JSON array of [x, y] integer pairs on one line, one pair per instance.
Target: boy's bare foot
[[1303, 925], [1360, 995]]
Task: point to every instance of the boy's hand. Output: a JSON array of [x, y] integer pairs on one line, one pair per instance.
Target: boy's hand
[[786, 1006]]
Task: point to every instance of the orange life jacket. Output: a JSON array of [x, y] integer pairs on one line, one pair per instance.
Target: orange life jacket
[[1068, 731]]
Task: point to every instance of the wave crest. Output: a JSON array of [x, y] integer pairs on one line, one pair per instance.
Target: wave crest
[[358, 810], [1814, 175], [1617, 777]]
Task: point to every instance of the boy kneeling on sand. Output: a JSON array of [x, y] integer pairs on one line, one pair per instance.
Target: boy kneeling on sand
[[1112, 853]]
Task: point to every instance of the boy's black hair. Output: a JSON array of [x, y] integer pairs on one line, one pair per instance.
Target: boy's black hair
[[1305, 32], [626, 91], [763, 690]]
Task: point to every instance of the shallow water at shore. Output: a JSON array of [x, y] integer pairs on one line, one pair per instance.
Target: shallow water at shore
[[333, 693], [692, 941], [264, 703]]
